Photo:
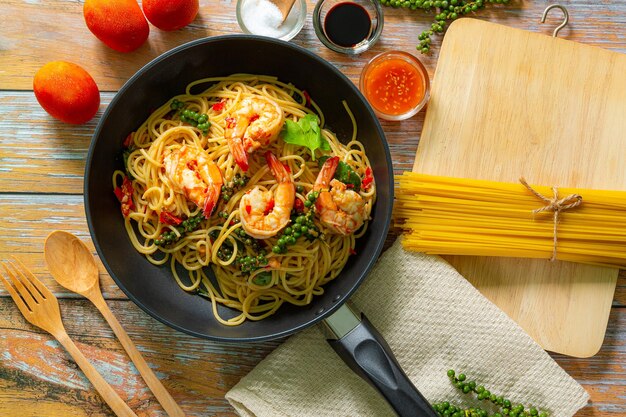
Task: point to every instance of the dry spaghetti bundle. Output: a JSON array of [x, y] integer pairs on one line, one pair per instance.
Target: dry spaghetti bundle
[[458, 216]]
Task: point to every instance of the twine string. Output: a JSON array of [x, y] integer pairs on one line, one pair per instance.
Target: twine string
[[556, 206]]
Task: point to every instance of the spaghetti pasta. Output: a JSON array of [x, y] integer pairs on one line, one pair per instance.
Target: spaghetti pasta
[[170, 227], [458, 216]]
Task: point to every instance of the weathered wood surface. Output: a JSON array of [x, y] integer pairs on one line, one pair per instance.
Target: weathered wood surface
[[38, 377], [41, 168], [31, 38]]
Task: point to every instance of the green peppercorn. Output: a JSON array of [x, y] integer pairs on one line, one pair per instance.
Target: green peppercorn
[[299, 189], [308, 203]]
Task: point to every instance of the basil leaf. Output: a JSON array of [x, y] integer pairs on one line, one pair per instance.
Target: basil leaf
[[344, 173], [262, 278], [322, 161], [347, 175], [306, 132]]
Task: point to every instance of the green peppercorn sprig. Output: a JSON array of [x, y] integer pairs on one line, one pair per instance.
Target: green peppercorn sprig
[[201, 121], [301, 225], [506, 408], [311, 198], [187, 226], [246, 263], [446, 12], [250, 264], [239, 181]]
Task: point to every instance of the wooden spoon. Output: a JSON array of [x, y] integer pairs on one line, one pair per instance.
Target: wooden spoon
[[284, 6], [74, 267]]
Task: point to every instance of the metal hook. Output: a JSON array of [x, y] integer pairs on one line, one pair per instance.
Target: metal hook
[[562, 25]]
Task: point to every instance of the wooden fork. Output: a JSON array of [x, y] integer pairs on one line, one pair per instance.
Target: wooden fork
[[40, 307]]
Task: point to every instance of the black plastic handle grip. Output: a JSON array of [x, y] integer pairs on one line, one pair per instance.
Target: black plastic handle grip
[[365, 351]]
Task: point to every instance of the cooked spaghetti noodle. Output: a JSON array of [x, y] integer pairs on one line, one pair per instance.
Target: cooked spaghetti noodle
[[218, 240]]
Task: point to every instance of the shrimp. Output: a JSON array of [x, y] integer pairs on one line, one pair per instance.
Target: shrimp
[[256, 122], [194, 175], [264, 213], [339, 208]]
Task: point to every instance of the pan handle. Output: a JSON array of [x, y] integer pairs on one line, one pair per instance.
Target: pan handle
[[365, 351]]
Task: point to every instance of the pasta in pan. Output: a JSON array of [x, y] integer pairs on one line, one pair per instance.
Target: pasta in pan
[[220, 179]]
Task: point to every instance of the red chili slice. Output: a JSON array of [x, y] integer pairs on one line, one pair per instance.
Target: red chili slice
[[127, 188], [307, 98], [268, 208], [119, 193], [169, 218], [298, 205], [128, 140], [368, 179], [124, 195], [352, 251], [248, 208], [219, 106]]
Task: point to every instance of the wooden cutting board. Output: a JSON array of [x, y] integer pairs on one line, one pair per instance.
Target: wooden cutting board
[[506, 103]]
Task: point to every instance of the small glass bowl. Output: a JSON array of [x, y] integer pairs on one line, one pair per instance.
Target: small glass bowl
[[415, 63], [375, 12], [294, 28]]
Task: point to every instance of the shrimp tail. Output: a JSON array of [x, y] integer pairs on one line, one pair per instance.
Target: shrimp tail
[[278, 169], [211, 202], [327, 173], [215, 181], [234, 133]]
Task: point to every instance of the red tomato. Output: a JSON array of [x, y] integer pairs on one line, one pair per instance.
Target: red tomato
[[170, 14], [67, 92], [119, 24]]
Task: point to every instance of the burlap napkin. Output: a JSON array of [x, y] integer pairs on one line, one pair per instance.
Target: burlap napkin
[[434, 320]]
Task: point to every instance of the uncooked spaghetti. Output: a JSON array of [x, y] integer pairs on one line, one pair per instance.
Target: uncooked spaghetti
[[290, 243], [458, 216]]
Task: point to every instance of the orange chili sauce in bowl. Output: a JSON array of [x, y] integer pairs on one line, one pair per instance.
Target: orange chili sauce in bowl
[[396, 85]]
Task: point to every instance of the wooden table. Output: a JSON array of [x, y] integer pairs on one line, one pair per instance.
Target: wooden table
[[41, 179]]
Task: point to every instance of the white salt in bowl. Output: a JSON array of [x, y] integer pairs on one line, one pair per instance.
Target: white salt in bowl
[[261, 17]]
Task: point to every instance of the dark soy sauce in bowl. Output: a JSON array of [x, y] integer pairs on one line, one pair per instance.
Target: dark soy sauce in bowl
[[347, 24]]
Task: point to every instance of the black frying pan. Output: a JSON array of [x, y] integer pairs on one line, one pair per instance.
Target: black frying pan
[[153, 288]]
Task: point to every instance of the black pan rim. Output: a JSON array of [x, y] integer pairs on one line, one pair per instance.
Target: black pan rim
[[387, 205]]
